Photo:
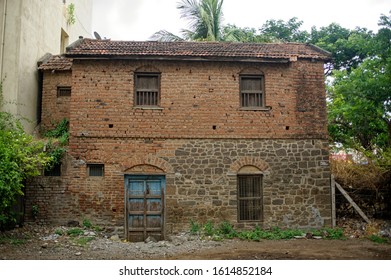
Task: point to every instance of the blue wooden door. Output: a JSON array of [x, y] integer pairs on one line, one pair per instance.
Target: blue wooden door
[[144, 207]]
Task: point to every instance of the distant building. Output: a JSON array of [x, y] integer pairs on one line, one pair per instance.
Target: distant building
[[28, 30]]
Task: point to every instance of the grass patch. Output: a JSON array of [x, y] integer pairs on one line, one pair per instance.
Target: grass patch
[[82, 241], [75, 232], [378, 239], [59, 232], [194, 227], [12, 240], [87, 223], [98, 228], [226, 231], [209, 229]]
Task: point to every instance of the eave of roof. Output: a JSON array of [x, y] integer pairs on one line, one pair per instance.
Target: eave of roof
[[201, 51], [55, 62]]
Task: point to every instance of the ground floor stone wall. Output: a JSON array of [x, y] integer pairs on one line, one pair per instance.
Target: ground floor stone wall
[[201, 181]]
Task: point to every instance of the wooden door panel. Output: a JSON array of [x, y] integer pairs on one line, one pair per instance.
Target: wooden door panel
[[144, 207]]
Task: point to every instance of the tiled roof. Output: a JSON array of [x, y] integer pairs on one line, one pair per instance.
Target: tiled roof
[[56, 62], [91, 48]]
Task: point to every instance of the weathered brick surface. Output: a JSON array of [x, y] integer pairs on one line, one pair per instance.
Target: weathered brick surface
[[198, 100], [199, 139], [54, 108]]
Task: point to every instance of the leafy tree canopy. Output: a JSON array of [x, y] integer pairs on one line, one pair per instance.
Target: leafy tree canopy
[[360, 96]]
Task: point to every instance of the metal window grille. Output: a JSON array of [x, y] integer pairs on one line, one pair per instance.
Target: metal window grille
[[53, 171], [95, 170], [250, 198], [147, 89], [251, 91], [64, 91]]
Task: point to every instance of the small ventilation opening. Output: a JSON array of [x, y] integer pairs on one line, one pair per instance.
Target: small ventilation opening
[[95, 170]]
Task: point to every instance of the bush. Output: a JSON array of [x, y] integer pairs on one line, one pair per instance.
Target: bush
[[21, 158]]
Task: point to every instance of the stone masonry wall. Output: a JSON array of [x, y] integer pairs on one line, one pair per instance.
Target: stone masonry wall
[[201, 179]]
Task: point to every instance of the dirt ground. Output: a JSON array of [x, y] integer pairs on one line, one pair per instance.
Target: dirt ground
[[45, 243]]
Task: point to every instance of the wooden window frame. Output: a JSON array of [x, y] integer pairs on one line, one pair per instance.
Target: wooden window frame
[[245, 95], [64, 91], [94, 167], [146, 97], [244, 214]]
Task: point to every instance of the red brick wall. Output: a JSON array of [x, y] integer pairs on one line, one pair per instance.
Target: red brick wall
[[54, 108], [198, 100]]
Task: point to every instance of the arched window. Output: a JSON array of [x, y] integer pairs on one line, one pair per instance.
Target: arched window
[[252, 89], [250, 194], [147, 87]]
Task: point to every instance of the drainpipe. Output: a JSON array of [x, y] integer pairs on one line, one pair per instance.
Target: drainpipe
[[2, 39]]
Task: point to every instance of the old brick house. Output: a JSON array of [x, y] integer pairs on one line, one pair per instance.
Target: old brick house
[[164, 133]]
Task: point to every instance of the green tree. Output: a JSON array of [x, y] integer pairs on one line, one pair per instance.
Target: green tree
[[21, 157], [281, 31], [360, 96], [360, 106], [232, 33], [205, 22], [348, 47]]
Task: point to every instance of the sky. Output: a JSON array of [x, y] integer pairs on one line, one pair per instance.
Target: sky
[[138, 20]]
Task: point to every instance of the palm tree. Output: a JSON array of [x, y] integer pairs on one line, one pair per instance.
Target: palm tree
[[205, 21]]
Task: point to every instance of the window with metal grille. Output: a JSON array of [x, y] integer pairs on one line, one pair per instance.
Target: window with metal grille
[[252, 91], [53, 171], [147, 89], [95, 170], [63, 91], [250, 198]]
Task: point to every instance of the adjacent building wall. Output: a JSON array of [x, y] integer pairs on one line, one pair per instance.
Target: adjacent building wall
[[28, 30]]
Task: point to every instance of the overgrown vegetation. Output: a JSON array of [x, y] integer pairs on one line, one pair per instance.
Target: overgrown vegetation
[[21, 157], [226, 231], [78, 234], [13, 240], [378, 239], [87, 223], [75, 232], [71, 18], [368, 184], [61, 132], [82, 241], [57, 140]]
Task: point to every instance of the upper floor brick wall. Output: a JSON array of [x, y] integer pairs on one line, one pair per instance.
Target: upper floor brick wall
[[197, 100], [54, 107]]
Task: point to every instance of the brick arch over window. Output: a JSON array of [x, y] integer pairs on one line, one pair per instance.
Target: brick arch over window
[[147, 68], [151, 161], [249, 161], [251, 71]]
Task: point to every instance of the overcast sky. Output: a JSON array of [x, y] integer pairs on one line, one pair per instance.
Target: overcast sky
[[139, 19]]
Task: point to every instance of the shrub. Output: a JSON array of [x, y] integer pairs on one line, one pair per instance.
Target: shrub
[[21, 157]]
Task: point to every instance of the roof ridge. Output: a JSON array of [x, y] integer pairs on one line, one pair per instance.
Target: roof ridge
[[194, 50]]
